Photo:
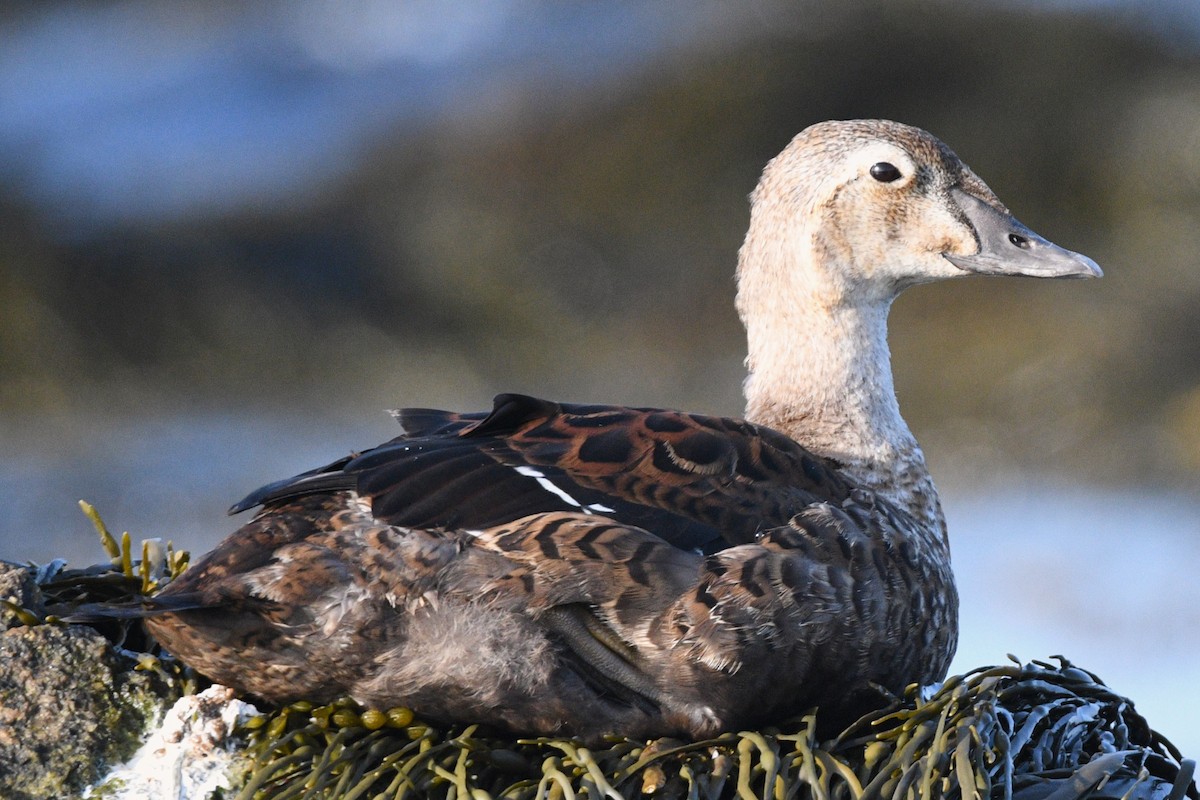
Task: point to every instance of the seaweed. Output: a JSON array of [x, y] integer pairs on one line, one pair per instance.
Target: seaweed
[[1035, 731]]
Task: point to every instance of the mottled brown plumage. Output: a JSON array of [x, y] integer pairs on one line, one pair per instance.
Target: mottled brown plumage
[[556, 568]]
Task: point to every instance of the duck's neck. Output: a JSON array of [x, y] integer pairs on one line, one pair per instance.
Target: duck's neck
[[820, 371]]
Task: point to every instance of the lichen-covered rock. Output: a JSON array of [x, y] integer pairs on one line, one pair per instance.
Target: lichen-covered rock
[[69, 707], [193, 755], [17, 586]]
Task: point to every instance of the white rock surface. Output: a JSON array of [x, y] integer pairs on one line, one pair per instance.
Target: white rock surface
[[191, 755]]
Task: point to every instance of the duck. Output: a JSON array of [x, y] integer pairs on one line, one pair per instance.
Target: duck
[[550, 568]]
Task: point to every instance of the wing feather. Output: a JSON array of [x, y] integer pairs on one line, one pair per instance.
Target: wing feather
[[700, 483]]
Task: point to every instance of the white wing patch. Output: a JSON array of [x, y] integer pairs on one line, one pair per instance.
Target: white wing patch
[[559, 492]]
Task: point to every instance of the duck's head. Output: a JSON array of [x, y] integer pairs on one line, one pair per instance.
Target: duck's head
[[862, 209]]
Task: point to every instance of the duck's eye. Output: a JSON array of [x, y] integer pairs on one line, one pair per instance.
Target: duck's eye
[[884, 172]]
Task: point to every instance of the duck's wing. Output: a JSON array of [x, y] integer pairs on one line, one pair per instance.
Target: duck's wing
[[701, 483]]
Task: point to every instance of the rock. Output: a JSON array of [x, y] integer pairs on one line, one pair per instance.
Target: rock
[[70, 706], [17, 586], [191, 756]]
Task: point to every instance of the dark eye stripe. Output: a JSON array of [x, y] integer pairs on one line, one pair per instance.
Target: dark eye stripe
[[884, 172]]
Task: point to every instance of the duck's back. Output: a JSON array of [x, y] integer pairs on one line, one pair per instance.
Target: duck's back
[[579, 569]]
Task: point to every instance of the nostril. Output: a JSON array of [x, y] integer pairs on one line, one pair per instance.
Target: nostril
[[1019, 241]]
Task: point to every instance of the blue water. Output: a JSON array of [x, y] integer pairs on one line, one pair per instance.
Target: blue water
[[135, 112], [1109, 579]]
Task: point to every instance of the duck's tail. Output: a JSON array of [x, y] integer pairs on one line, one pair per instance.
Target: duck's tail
[[136, 608]]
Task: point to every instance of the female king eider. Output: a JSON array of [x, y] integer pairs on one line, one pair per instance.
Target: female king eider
[[586, 569]]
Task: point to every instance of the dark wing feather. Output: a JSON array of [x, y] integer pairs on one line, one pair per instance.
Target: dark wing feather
[[701, 483], [329, 478]]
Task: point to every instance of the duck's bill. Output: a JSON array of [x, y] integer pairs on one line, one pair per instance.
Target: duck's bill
[[1006, 247]]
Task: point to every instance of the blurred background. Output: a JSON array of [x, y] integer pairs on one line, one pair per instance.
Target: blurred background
[[232, 234]]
